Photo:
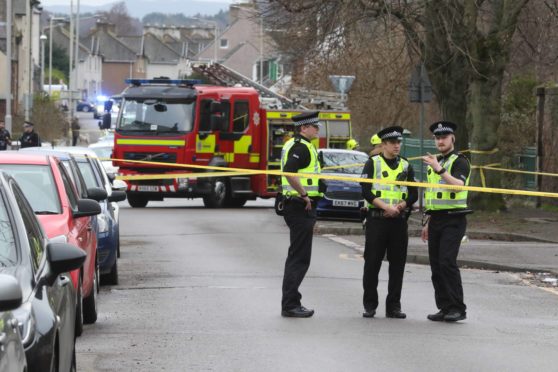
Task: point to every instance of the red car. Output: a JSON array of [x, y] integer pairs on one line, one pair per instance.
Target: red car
[[65, 217]]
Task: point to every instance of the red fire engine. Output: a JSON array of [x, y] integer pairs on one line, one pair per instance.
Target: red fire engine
[[169, 122]]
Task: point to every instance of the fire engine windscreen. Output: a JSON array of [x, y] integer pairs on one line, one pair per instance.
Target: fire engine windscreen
[[155, 115]]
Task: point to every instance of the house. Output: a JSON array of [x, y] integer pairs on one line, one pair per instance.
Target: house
[[238, 47]]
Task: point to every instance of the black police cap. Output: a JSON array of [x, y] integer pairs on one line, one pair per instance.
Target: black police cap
[[307, 118], [443, 127], [391, 133]]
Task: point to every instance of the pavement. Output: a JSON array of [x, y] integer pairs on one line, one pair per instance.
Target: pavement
[[488, 245]]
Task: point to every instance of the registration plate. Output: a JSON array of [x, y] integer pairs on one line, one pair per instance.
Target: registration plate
[[148, 188], [345, 203]]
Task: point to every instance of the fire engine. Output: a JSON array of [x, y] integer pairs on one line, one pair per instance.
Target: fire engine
[[163, 122]]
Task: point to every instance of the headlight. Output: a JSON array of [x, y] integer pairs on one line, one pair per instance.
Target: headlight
[[26, 323], [103, 223]]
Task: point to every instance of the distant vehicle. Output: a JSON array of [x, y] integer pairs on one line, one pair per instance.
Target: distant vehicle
[[85, 106], [99, 106], [12, 354], [342, 199], [46, 318]]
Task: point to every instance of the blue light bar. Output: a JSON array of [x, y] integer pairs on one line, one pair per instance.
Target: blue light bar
[[138, 82]]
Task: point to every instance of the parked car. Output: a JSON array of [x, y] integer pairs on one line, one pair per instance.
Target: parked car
[[85, 106], [67, 215], [342, 199], [103, 149], [108, 232], [12, 354], [46, 317]]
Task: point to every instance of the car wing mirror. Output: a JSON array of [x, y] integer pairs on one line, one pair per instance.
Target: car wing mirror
[[63, 257], [117, 196], [97, 194], [10, 293], [119, 185], [87, 207]]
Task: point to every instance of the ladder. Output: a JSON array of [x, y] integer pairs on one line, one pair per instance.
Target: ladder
[[222, 75]]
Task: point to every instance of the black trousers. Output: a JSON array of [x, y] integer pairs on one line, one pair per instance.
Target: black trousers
[[444, 239], [384, 235], [301, 225]]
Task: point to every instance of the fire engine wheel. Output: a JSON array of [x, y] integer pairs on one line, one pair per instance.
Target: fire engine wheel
[[218, 195], [137, 201]]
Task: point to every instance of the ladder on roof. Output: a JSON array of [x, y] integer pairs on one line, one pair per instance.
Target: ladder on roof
[[221, 75]]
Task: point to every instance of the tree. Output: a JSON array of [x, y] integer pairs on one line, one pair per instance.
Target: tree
[[464, 44], [60, 63], [119, 16]]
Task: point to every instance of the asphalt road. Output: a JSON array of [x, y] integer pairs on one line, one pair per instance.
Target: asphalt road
[[200, 291], [89, 132]]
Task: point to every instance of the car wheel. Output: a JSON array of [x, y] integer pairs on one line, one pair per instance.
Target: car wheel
[[79, 309], [137, 201], [85, 109], [112, 277], [90, 302], [218, 194]]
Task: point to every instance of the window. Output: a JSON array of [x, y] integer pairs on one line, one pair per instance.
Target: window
[[8, 252], [241, 116], [70, 191], [88, 174], [223, 43], [33, 230], [205, 115]]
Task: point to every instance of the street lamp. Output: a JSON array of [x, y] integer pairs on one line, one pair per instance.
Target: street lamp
[[52, 19], [43, 39]]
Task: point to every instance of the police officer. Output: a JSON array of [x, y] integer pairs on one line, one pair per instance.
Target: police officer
[[386, 222], [447, 210], [301, 194], [29, 138], [5, 137]]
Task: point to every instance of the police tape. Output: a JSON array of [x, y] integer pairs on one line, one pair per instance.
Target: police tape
[[242, 171]]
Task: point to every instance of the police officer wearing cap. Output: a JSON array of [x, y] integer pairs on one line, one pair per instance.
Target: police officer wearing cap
[[29, 138], [301, 194], [386, 222], [447, 210]]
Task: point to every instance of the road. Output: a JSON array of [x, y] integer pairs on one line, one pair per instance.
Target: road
[[89, 132], [200, 291]]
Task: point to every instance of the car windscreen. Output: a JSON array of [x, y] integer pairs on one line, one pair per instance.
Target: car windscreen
[[8, 252], [37, 183], [88, 174], [103, 153], [343, 162], [156, 115]]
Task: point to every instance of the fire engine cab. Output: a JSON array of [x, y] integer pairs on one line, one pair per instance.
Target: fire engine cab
[[163, 122]]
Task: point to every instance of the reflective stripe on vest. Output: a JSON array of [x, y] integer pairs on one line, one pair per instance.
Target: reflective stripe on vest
[[311, 184], [389, 194], [438, 198]]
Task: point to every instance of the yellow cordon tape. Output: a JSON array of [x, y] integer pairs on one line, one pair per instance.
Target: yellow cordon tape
[[239, 171]]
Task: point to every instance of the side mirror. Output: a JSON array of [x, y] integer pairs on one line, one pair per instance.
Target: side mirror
[[10, 293], [215, 107], [117, 196], [119, 185], [86, 208], [111, 177], [63, 257], [96, 194]]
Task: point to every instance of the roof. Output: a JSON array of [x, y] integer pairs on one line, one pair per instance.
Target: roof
[[159, 91], [20, 157], [158, 52], [110, 46], [48, 151]]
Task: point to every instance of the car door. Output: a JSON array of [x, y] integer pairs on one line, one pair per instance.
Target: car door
[[58, 296]]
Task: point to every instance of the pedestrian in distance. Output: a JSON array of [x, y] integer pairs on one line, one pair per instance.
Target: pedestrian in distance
[[389, 207], [446, 223], [5, 137], [75, 130], [300, 198], [376, 143], [29, 138]]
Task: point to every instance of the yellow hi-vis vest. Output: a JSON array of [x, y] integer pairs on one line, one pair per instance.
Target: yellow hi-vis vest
[[310, 184], [389, 194], [442, 198]]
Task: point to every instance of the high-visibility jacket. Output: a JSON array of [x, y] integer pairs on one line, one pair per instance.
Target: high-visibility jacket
[[389, 194], [442, 198], [309, 184]]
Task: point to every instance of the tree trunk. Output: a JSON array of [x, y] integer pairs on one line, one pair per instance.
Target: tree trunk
[[484, 112]]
